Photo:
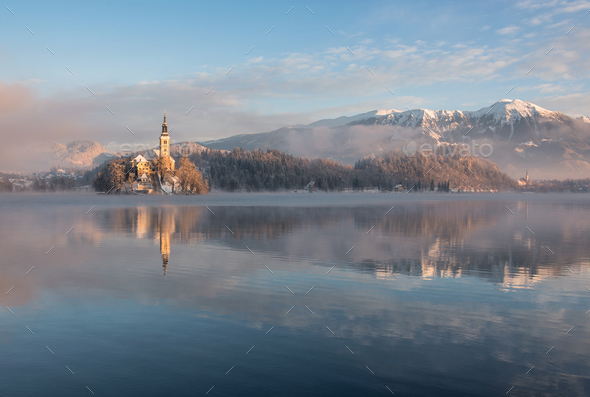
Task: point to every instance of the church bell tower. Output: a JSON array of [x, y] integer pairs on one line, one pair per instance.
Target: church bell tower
[[164, 139]]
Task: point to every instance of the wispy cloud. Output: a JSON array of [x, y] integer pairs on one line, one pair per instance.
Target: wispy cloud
[[558, 6], [574, 104], [508, 30], [567, 59], [551, 9]]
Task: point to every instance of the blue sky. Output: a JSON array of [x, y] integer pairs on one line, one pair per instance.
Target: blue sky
[[141, 57]]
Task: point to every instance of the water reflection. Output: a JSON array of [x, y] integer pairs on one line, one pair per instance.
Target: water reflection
[[455, 239], [166, 227], [439, 298]]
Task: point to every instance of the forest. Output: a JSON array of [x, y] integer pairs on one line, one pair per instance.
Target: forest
[[272, 170]]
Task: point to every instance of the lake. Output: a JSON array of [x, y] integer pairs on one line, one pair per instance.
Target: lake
[[295, 294]]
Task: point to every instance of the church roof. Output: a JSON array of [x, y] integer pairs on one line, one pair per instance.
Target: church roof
[[139, 159]]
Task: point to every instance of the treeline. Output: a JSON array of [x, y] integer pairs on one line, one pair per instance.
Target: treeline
[[54, 184], [6, 186], [273, 170], [270, 170], [448, 172], [565, 186]]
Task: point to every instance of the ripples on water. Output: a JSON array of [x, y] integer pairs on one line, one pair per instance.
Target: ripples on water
[[446, 295]]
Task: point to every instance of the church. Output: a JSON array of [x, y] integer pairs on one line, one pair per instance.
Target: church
[[144, 168], [524, 181]]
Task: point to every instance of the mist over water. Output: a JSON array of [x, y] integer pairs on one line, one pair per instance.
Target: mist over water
[[445, 295]]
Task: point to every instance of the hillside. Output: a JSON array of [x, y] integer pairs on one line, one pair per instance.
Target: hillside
[[274, 170]]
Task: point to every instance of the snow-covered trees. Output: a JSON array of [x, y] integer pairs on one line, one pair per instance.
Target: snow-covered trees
[[191, 180]]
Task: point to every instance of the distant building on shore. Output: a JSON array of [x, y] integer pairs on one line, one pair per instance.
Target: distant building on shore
[[524, 181]]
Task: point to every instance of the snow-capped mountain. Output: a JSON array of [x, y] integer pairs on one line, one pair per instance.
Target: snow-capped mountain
[[79, 154], [523, 135], [502, 120]]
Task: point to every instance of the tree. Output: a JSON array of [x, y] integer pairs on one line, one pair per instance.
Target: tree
[[432, 185], [116, 175], [162, 166], [191, 179]]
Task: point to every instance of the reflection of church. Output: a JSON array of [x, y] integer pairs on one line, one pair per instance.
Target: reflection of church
[[167, 226], [164, 226]]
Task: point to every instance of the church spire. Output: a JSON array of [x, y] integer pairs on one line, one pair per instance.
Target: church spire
[[164, 125]]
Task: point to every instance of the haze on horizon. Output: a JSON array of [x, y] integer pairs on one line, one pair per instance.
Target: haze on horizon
[[271, 65]]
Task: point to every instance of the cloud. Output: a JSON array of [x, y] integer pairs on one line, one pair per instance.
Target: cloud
[[551, 9], [508, 30], [563, 58], [548, 87], [558, 6], [574, 104], [14, 97]]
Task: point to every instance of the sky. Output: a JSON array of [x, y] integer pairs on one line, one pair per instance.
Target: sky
[[107, 70]]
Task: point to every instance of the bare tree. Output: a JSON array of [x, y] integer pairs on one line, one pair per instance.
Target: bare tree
[[191, 180], [116, 174]]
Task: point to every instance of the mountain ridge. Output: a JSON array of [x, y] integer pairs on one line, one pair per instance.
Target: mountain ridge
[[509, 125]]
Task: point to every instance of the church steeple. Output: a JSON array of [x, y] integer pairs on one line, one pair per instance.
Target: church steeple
[[164, 125]]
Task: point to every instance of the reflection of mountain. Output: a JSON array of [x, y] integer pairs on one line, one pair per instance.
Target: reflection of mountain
[[428, 239]]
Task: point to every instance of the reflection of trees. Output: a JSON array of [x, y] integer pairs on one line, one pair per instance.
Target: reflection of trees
[[510, 265], [192, 224], [476, 239], [450, 220], [442, 239]]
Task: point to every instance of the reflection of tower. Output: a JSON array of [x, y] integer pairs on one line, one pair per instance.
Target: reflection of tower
[[143, 222], [166, 228]]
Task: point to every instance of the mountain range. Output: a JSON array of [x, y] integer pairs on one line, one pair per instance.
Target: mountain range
[[519, 136]]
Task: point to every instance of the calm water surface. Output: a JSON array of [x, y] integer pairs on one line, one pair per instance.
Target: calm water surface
[[322, 294]]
